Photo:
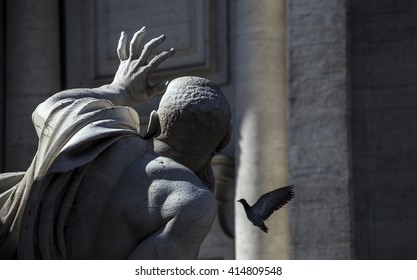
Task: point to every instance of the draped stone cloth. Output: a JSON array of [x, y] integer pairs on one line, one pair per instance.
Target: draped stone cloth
[[35, 204]]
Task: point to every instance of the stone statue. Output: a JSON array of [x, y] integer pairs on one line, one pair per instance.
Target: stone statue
[[97, 190]]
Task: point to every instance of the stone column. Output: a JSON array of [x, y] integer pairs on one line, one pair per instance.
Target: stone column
[[319, 119], [261, 123], [33, 73], [219, 243]]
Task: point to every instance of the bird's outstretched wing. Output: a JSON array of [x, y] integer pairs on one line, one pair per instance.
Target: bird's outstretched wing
[[273, 200]]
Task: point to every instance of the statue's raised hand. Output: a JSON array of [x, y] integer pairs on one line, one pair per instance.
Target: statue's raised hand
[[134, 69]]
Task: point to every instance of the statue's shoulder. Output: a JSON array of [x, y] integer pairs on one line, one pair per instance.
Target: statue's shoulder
[[180, 184], [161, 167]]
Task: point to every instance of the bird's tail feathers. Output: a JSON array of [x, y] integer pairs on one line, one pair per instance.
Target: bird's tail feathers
[[264, 228], [291, 188]]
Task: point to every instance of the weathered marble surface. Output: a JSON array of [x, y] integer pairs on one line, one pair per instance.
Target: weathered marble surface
[[96, 189]]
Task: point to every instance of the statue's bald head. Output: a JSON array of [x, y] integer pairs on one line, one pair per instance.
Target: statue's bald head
[[194, 115]]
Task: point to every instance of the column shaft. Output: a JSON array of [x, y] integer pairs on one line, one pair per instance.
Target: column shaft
[[33, 73], [261, 120]]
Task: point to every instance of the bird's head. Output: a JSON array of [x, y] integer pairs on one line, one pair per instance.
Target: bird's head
[[243, 201]]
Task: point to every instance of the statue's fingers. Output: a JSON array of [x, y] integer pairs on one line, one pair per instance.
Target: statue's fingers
[[134, 43], [154, 63], [121, 47], [158, 88], [149, 47]]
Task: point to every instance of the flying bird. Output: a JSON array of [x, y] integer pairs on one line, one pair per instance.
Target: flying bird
[[266, 205]]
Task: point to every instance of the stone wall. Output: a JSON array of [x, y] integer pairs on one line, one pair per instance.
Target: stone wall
[[384, 135], [352, 129]]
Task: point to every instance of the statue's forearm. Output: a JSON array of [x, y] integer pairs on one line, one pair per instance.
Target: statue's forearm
[[115, 94], [60, 101]]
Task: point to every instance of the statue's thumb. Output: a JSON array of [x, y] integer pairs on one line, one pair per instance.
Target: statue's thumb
[[159, 88]]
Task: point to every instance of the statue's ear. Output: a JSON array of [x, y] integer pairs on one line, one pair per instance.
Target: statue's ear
[[154, 127]]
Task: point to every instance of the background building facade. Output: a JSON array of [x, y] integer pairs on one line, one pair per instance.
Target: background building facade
[[323, 94]]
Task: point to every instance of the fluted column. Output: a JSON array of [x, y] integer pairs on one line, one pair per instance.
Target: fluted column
[[261, 123], [33, 73]]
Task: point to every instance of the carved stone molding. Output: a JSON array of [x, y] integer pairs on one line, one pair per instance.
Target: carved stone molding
[[197, 29]]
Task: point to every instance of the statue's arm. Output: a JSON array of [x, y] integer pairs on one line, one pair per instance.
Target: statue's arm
[[130, 86], [181, 237]]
